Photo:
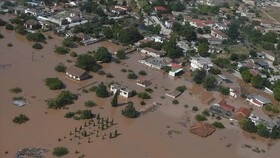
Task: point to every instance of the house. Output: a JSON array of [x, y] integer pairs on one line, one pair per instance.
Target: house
[[118, 11], [218, 34], [82, 36], [201, 23], [32, 24], [31, 11], [123, 90], [257, 120], [217, 109], [173, 94], [241, 113], [269, 55], [152, 52], [202, 129], [223, 104], [73, 19], [160, 8], [152, 62], [175, 69], [262, 64], [201, 63], [76, 73], [258, 100]]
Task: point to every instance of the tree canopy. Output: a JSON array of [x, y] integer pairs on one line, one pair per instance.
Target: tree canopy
[[101, 91], [198, 75], [130, 111], [102, 54], [86, 62]]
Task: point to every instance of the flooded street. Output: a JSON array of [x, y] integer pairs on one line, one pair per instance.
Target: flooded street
[[145, 137]]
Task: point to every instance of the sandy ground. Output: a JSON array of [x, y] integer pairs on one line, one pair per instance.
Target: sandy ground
[[145, 137]]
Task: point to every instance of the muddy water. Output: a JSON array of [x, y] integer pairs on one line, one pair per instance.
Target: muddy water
[[144, 137]]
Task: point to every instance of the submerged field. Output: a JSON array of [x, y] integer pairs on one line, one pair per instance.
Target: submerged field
[[156, 134]]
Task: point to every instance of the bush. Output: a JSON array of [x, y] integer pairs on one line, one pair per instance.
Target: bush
[[37, 46], [101, 91], [63, 99], [224, 90], [69, 115], [54, 83], [142, 73], [194, 108], [121, 54], [142, 103], [10, 45], [89, 103], [92, 89], [218, 124], [199, 117], [60, 151], [272, 108], [175, 101], [109, 75], [144, 95], [73, 54], [149, 90], [101, 72], [60, 67], [2, 22], [132, 75], [61, 50], [86, 114], [16, 90], [9, 27], [214, 71], [20, 119], [181, 88], [205, 112], [130, 112], [36, 37]]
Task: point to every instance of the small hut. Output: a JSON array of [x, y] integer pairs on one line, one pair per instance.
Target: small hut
[[202, 129]]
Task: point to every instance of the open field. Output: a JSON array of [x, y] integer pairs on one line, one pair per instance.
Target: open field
[[152, 135]]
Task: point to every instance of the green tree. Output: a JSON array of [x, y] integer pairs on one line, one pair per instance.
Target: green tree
[[102, 54], [210, 82], [199, 117], [257, 81], [63, 99], [101, 91], [233, 32], [2, 22], [60, 67], [270, 37], [129, 35], [37, 46], [61, 50], [198, 75], [203, 49], [276, 93], [54, 83], [275, 132], [225, 90], [144, 95], [171, 48], [214, 71], [130, 112], [60, 151], [246, 76], [121, 54], [86, 62], [218, 124], [36, 37], [114, 101], [86, 114], [262, 131], [89, 103], [9, 27], [20, 119], [248, 125]]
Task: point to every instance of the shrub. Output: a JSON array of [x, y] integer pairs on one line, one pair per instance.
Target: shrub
[[142, 103], [101, 72], [214, 71], [61, 50], [144, 95], [2, 22], [92, 89], [149, 90], [272, 108], [37, 46], [9, 27], [132, 75], [181, 88], [130, 112], [20, 119], [199, 117], [60, 67], [36, 37], [194, 108], [89, 103], [123, 70], [54, 83], [121, 54], [218, 124], [101, 91], [60, 151], [109, 75], [69, 115], [205, 112], [224, 90], [16, 90], [50, 37], [175, 101], [86, 114], [117, 61], [10, 45], [142, 73], [73, 54], [85, 91]]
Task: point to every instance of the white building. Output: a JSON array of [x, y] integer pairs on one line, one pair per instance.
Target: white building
[[76, 73], [123, 90], [258, 100], [201, 63], [151, 52]]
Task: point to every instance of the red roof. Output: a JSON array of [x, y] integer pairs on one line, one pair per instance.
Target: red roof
[[227, 107], [176, 66], [257, 102], [246, 112], [160, 8]]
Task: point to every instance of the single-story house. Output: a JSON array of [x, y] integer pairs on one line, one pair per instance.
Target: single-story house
[[262, 64], [76, 73], [143, 83], [217, 109], [160, 8], [241, 113], [258, 100], [218, 34], [152, 52], [202, 129], [175, 69], [32, 24], [201, 63], [223, 104], [152, 62], [123, 90], [173, 94]]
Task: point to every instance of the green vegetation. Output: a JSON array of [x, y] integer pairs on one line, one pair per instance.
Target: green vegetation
[[142, 73], [181, 88], [16, 90], [2, 22], [101, 91], [86, 62], [60, 67], [35, 37], [195, 108], [198, 76], [60, 151], [272, 108], [144, 95], [199, 117], [132, 75], [9, 27], [129, 35], [114, 101], [73, 54], [214, 71], [210, 82], [121, 54], [69, 115], [20, 119], [10, 45], [63, 99], [89, 103], [206, 113], [102, 54], [130, 112], [248, 125], [61, 50], [175, 102], [218, 124], [1, 36], [37, 46], [171, 48], [54, 83], [224, 90], [85, 114]]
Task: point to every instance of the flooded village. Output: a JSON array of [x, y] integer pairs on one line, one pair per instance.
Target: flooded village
[[136, 79]]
